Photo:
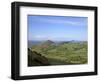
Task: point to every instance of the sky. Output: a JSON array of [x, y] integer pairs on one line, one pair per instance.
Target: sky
[[57, 28]]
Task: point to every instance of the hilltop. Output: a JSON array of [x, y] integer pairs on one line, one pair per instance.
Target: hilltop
[[47, 42]]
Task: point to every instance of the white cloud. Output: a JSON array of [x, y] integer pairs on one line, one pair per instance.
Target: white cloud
[[41, 37]]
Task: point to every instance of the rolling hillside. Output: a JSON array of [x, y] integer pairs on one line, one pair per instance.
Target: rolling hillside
[[63, 53]]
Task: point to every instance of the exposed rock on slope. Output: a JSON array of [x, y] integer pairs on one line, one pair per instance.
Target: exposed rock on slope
[[36, 59]]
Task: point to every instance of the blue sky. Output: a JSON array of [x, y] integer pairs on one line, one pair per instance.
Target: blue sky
[[57, 28]]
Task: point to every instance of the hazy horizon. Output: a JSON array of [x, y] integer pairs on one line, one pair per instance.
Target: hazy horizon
[[57, 28], [57, 40]]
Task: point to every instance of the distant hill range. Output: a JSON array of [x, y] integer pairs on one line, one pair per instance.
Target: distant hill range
[[72, 41], [31, 43], [41, 43], [49, 42]]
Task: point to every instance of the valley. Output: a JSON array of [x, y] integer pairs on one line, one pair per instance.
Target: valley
[[62, 53]]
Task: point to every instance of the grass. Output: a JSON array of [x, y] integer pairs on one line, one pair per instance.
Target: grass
[[63, 54]]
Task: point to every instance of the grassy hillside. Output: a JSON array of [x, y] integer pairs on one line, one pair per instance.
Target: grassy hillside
[[62, 53]]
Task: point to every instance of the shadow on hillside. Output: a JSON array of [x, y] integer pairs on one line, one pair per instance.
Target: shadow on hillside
[[37, 59]]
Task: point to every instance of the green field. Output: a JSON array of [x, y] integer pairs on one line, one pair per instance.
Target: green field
[[65, 53]]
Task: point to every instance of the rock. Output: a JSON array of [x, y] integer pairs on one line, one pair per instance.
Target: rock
[[36, 59]]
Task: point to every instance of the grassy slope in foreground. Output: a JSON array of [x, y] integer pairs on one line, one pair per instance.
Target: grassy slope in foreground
[[63, 53]]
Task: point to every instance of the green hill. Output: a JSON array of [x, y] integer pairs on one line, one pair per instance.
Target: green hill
[[63, 54]]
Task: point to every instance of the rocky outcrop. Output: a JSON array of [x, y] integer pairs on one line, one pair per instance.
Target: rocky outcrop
[[36, 59]]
